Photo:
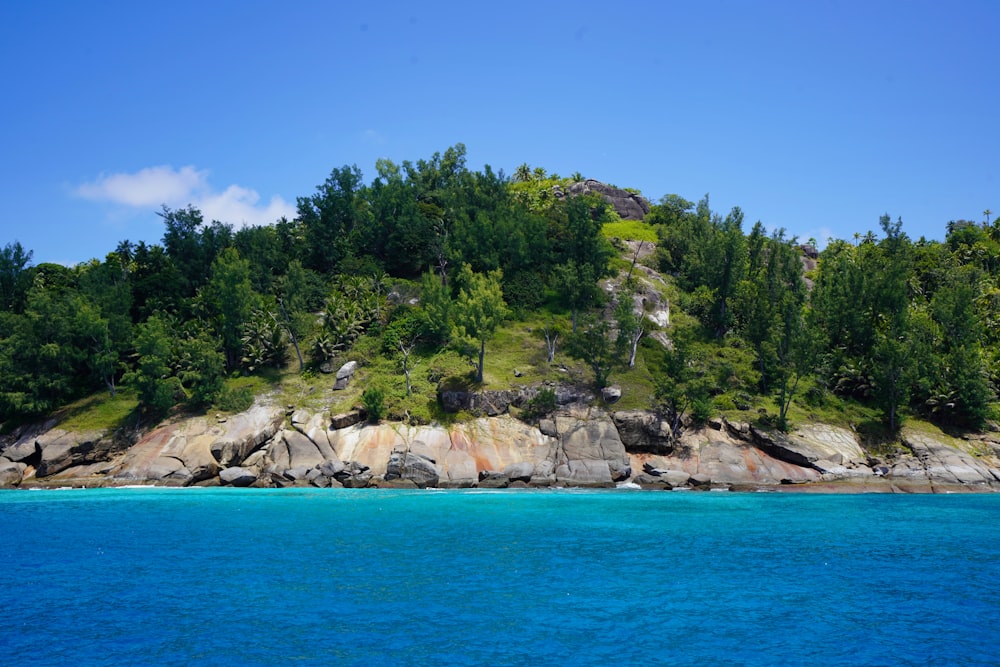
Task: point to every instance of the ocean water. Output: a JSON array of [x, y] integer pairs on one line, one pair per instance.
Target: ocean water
[[358, 577]]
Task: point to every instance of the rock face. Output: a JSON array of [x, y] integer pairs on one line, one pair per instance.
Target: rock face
[[942, 462], [642, 431], [575, 446], [629, 205], [194, 450]]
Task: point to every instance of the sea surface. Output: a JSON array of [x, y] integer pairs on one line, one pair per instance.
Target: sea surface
[[362, 577]]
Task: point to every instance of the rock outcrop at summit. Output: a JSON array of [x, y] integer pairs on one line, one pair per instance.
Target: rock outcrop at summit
[[628, 205]]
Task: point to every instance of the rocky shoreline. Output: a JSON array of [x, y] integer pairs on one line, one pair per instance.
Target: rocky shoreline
[[270, 446]]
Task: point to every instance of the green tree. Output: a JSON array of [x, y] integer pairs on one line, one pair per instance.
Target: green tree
[[478, 311], [229, 300], [15, 277], [889, 304], [592, 344], [630, 328], [331, 218], [153, 376]]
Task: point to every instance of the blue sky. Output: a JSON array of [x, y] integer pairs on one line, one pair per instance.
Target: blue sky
[[813, 116]]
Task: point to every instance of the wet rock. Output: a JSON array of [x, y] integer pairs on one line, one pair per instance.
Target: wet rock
[[331, 468], [492, 479], [522, 471], [238, 476], [701, 479], [651, 482], [297, 473]]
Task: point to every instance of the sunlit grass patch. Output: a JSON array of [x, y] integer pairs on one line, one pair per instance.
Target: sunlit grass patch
[[630, 230]]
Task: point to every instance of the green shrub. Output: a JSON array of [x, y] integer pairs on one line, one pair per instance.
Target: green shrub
[[541, 403], [235, 399], [373, 400]]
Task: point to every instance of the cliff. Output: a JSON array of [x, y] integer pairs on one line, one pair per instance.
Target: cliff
[[577, 446]]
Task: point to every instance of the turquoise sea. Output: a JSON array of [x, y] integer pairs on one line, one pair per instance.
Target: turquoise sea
[[330, 577]]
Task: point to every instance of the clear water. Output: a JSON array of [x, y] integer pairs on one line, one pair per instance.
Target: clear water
[[320, 577]]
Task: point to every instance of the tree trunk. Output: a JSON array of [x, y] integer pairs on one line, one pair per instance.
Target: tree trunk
[[634, 258], [291, 334], [482, 353], [550, 345]]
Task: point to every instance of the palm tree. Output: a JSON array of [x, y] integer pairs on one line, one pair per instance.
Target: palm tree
[[522, 173], [987, 213]]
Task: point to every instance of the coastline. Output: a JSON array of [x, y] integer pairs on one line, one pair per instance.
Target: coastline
[[577, 446]]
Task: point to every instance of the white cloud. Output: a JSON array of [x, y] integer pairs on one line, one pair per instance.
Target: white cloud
[[240, 206], [153, 186]]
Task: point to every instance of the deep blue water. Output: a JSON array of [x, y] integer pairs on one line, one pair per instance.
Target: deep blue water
[[322, 577]]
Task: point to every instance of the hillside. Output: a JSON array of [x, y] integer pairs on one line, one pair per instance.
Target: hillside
[[435, 295]]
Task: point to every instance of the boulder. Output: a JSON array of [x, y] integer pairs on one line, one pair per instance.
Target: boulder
[[701, 479], [642, 431], [297, 473], [20, 445], [628, 205], [611, 394], [344, 375], [245, 432], [354, 475], [237, 476], [943, 463], [358, 481], [651, 482], [486, 402], [11, 472], [315, 428], [811, 443], [522, 471], [320, 481], [168, 467], [61, 449], [590, 435], [419, 470], [345, 419], [331, 468], [492, 479], [586, 473], [302, 452]]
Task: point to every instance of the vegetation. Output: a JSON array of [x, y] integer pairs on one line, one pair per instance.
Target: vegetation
[[434, 275]]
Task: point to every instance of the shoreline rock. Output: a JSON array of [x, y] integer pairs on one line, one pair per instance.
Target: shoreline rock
[[576, 446]]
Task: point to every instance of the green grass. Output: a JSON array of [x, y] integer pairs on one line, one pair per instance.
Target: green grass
[[99, 411], [630, 230]]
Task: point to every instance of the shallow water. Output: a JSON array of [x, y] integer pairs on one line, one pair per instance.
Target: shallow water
[[315, 577]]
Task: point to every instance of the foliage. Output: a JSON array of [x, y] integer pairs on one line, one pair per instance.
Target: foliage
[[373, 400], [882, 328], [541, 404], [477, 312], [592, 344]]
